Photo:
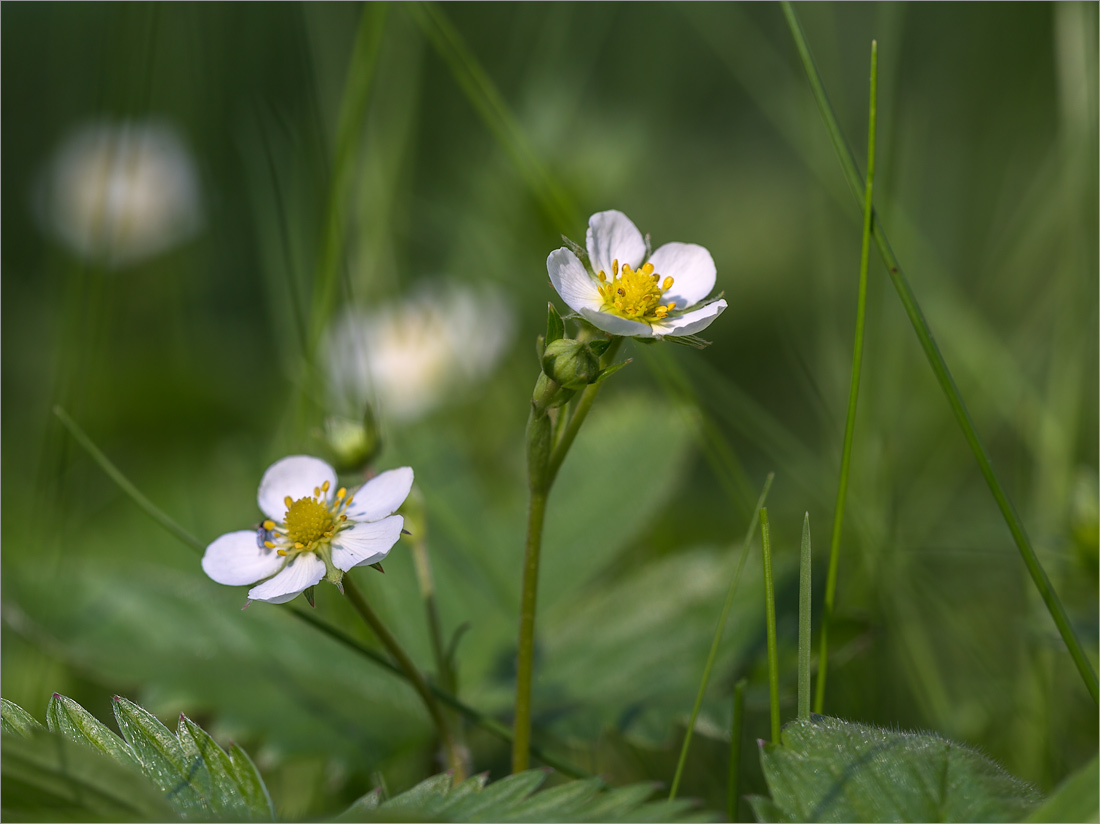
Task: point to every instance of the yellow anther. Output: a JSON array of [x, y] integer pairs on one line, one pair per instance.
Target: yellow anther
[[670, 305], [288, 501], [666, 285], [350, 499], [324, 486], [602, 276], [270, 545], [648, 268], [281, 552], [316, 492], [300, 545], [615, 267], [340, 493], [269, 525]]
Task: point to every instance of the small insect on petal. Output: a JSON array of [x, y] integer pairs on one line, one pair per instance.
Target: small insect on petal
[[263, 536]]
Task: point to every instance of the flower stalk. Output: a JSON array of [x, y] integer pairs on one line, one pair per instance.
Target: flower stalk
[[359, 603]]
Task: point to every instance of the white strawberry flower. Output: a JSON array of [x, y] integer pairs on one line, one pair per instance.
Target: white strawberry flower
[[627, 294], [313, 530]]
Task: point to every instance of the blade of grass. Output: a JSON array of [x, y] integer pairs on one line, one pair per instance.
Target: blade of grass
[[485, 722], [718, 630], [943, 374], [488, 102], [805, 604], [733, 786], [769, 614], [853, 397]]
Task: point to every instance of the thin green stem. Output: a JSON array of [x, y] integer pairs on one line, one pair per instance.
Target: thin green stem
[[853, 395], [521, 742], [426, 583], [943, 374], [717, 640], [147, 506], [805, 606], [733, 786], [355, 597], [769, 616], [580, 412]]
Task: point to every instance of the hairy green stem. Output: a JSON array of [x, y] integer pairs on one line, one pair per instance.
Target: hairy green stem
[[943, 374], [717, 640], [769, 617], [355, 597], [853, 395]]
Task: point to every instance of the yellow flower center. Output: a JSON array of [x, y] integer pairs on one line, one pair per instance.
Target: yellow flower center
[[635, 294], [309, 523]]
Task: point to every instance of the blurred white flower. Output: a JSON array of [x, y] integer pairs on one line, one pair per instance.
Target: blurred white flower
[[313, 530], [119, 193], [630, 295], [412, 356]]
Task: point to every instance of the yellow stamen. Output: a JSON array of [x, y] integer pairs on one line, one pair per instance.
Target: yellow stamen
[[269, 525], [269, 545], [634, 294]]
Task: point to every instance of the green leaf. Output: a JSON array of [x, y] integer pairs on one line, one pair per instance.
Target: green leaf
[[251, 785], [1075, 799], [427, 797], [47, 777], [498, 799], [68, 718], [555, 326], [227, 799], [16, 720], [832, 770], [183, 776]]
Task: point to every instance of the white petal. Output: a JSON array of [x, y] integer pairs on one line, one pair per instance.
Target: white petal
[[613, 236], [296, 476], [235, 560], [616, 325], [365, 543], [572, 281], [692, 271], [690, 322], [300, 574], [381, 495]]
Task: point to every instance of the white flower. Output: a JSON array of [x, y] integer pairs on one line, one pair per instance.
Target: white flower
[[119, 193], [313, 530], [412, 356], [630, 295]]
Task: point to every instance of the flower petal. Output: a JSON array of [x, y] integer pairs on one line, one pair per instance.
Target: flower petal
[[572, 281], [692, 271], [302, 572], [613, 236], [381, 495], [296, 476], [690, 322], [235, 560], [365, 543], [616, 325]]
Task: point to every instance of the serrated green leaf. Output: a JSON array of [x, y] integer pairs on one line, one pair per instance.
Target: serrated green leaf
[[832, 770], [498, 799], [251, 785], [184, 778], [1077, 798], [555, 326], [558, 803], [427, 797], [48, 777], [765, 809], [616, 804], [68, 718], [363, 808], [16, 720], [226, 800]]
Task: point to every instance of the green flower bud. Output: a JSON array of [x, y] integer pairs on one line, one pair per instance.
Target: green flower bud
[[351, 444], [570, 363]]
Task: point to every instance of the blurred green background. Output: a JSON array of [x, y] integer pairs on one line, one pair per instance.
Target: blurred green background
[[191, 366]]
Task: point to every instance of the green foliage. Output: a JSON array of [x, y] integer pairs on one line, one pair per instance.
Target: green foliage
[[826, 769], [518, 798], [1075, 799], [146, 777]]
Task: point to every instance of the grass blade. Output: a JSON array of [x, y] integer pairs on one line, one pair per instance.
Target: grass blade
[[943, 374], [805, 604], [733, 786], [716, 643], [769, 608]]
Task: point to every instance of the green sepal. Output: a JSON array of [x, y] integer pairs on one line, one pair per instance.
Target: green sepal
[[579, 251], [66, 717], [555, 326], [599, 346], [540, 347], [611, 370], [16, 720], [309, 595], [694, 341], [648, 246]]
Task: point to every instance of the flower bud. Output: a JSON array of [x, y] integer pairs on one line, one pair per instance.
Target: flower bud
[[570, 363], [351, 444]]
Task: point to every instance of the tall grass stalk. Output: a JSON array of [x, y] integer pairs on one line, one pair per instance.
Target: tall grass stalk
[[943, 374], [805, 604], [769, 616], [717, 640], [853, 396]]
